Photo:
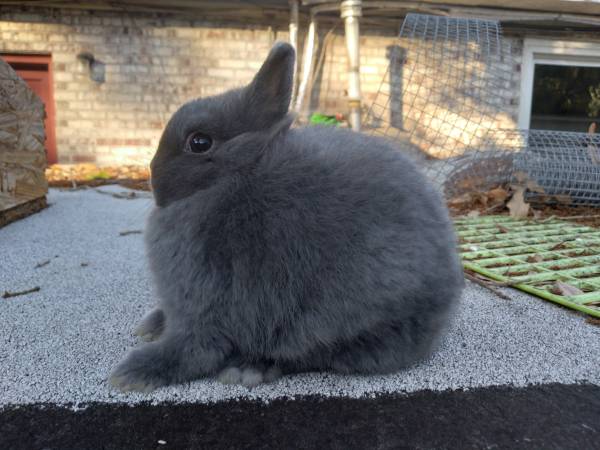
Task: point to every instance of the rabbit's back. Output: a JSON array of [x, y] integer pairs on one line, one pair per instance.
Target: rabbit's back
[[338, 233], [345, 191]]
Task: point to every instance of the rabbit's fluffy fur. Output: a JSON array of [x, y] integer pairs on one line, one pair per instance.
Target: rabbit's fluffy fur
[[284, 250]]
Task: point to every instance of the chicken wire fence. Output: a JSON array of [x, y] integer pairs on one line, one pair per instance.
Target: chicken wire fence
[[448, 97]]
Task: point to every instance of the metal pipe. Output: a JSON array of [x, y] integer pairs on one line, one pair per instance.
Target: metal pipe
[[294, 42], [351, 11], [307, 62], [325, 8]]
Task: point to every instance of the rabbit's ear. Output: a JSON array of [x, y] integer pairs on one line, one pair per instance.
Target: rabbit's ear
[[267, 97]]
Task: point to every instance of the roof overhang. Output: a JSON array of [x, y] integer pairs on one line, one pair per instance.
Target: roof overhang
[[584, 7], [549, 13]]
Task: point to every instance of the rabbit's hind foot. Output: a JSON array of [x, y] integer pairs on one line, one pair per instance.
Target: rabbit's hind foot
[[248, 376]]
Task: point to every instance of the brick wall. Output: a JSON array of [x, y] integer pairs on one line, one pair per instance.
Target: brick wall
[[330, 87], [153, 64]]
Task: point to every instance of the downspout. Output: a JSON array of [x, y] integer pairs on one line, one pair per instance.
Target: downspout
[[307, 62], [351, 10], [294, 42]]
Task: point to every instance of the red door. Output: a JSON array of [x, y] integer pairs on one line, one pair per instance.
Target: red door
[[36, 70]]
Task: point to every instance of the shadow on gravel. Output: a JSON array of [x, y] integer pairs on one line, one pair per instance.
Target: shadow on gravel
[[546, 416]]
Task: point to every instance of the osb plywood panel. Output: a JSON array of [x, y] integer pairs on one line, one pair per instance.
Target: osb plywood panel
[[22, 154]]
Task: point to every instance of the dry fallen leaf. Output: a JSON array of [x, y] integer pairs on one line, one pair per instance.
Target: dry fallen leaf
[[534, 258], [466, 185], [502, 229], [593, 320], [461, 200], [42, 264], [8, 294], [517, 206], [473, 213], [497, 195], [482, 198], [524, 180], [561, 288], [559, 246], [128, 232], [563, 199], [521, 177], [533, 186]]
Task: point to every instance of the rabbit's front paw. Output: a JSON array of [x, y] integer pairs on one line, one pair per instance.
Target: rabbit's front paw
[[140, 371], [151, 326], [249, 376]]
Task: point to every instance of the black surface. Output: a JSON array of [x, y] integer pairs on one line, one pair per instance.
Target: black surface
[[548, 416]]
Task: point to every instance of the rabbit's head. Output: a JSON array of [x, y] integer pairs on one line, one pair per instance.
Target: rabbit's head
[[209, 138]]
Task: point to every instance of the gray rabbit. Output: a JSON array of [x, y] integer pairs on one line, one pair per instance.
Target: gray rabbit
[[278, 250]]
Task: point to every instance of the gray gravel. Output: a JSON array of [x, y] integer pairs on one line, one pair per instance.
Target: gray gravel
[[59, 344]]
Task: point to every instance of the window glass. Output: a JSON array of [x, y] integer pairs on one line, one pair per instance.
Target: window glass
[[565, 97]]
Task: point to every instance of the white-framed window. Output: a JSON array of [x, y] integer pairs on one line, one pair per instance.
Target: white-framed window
[[560, 85]]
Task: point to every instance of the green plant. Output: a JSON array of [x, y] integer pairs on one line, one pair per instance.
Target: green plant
[[101, 175]]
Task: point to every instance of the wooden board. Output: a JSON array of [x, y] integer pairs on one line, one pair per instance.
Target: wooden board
[[36, 71], [22, 152]]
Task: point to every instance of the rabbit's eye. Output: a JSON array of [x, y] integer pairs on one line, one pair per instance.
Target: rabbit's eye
[[199, 143]]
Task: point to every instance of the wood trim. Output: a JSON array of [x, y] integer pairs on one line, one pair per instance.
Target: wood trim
[[46, 61], [27, 58], [22, 210], [546, 51]]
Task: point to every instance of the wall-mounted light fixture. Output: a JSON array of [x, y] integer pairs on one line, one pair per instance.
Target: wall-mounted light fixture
[[97, 68]]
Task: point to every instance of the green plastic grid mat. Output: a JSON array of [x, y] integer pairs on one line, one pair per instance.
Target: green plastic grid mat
[[534, 255]]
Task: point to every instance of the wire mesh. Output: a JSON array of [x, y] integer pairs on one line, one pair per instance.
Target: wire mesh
[[449, 90]]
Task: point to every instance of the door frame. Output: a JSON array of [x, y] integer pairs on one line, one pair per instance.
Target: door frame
[[45, 61], [551, 51]]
